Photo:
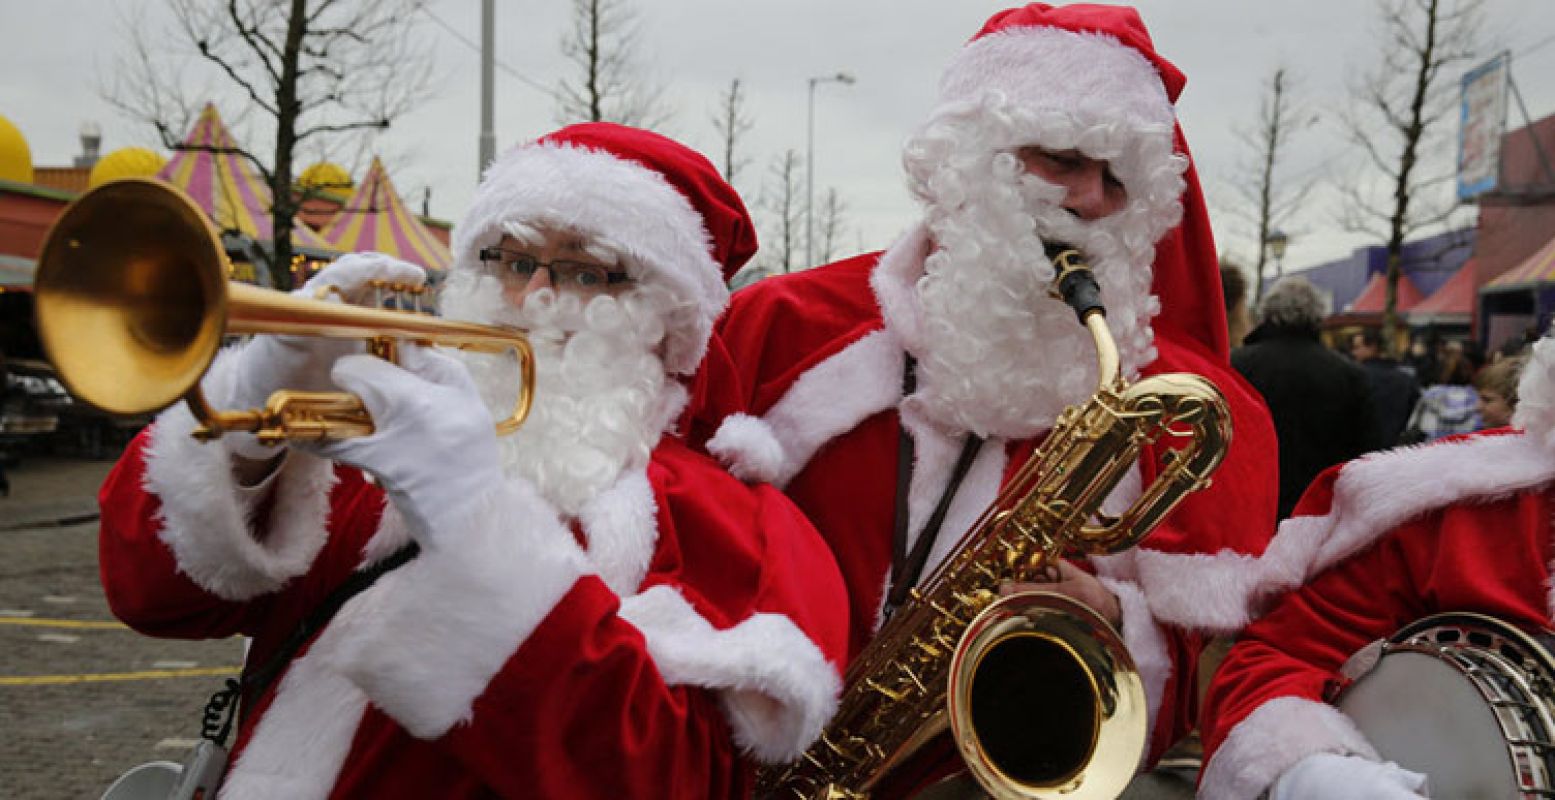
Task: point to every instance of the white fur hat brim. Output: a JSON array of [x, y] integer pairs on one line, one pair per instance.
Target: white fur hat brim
[[1092, 78]]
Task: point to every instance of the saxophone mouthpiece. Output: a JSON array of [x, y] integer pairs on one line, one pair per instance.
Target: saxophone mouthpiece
[[1073, 281]]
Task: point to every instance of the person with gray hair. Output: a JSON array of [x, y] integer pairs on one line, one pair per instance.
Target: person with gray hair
[[1293, 302], [1321, 401]]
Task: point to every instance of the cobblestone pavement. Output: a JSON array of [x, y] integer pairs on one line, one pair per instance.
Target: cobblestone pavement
[[82, 698]]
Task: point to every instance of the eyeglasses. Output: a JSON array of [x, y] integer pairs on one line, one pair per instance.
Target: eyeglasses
[[575, 275]]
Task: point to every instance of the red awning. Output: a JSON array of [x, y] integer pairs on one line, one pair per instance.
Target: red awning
[[1454, 298], [1373, 299]]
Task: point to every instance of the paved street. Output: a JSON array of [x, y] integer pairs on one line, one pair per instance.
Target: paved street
[[82, 698]]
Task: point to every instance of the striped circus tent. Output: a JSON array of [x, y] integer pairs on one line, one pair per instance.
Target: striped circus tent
[[376, 218], [209, 169], [1534, 270]]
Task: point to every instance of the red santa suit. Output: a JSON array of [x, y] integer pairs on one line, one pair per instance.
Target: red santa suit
[[817, 361], [1375, 544], [677, 628]]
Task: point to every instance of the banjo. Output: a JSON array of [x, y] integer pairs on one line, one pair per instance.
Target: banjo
[[1464, 698]]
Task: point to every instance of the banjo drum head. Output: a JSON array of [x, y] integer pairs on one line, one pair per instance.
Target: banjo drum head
[[1423, 714], [1466, 699], [154, 780]]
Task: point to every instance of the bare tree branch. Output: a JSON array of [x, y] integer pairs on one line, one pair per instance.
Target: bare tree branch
[[1266, 194], [610, 84], [732, 123], [832, 224], [314, 68], [1421, 41], [782, 199]]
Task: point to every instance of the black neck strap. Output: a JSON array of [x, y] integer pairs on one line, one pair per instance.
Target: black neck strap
[[907, 567], [257, 681]]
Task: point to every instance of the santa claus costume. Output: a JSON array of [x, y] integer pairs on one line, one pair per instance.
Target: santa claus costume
[[1458, 526], [819, 357], [650, 637]]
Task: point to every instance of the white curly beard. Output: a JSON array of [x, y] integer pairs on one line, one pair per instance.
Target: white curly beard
[[602, 398], [998, 356]]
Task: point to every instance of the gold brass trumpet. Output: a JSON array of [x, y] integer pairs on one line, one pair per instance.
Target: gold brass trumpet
[[132, 302]]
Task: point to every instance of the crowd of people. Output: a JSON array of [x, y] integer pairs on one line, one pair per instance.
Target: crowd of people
[[656, 585]]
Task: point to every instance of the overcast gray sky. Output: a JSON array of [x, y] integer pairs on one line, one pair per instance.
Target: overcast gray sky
[[53, 56]]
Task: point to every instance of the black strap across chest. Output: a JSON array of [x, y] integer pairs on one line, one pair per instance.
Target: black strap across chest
[[256, 681], [907, 567]]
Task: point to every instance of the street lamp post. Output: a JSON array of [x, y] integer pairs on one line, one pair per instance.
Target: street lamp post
[[809, 206], [1277, 240], [488, 138]]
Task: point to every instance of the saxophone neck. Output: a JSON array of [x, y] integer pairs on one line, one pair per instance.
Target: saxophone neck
[[1075, 284], [1109, 374]]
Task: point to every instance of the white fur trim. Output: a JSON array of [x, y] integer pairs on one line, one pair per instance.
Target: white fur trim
[[776, 687], [392, 535], [623, 530], [1536, 393], [1146, 643], [894, 280], [934, 459], [1271, 740], [1225, 591], [205, 515], [1091, 77], [428, 639], [301, 742], [828, 400], [631, 207], [749, 447]]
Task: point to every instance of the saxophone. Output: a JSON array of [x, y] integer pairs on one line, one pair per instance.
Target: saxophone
[[1037, 689]]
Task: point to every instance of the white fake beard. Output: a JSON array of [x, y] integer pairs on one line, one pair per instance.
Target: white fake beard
[[602, 398], [1000, 357]]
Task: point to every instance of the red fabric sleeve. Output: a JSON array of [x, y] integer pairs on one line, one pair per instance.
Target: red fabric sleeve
[[139, 574], [148, 591], [1298, 648]]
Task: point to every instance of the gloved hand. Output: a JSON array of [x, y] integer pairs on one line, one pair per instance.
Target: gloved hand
[[434, 447], [269, 363], [1330, 776]]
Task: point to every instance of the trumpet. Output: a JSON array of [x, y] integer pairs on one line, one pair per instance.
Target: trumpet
[[132, 301]]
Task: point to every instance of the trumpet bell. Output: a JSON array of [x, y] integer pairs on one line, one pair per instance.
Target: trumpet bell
[[136, 296], [132, 302]]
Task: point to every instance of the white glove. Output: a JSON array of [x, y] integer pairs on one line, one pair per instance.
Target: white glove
[[434, 447], [1330, 776], [272, 362]]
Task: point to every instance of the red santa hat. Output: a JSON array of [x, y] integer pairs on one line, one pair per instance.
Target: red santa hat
[[1088, 77], [680, 225]]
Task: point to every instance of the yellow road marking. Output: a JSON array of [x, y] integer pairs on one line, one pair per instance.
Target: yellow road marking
[[103, 677], [63, 623]]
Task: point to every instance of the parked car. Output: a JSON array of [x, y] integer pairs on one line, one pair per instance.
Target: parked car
[[37, 415], [32, 400]]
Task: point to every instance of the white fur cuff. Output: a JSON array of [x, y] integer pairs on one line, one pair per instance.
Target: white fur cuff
[[1271, 740], [1146, 643], [749, 448], [426, 642], [776, 687], [205, 515]]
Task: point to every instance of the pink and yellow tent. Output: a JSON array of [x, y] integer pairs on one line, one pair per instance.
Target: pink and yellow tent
[[375, 218], [209, 169]]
